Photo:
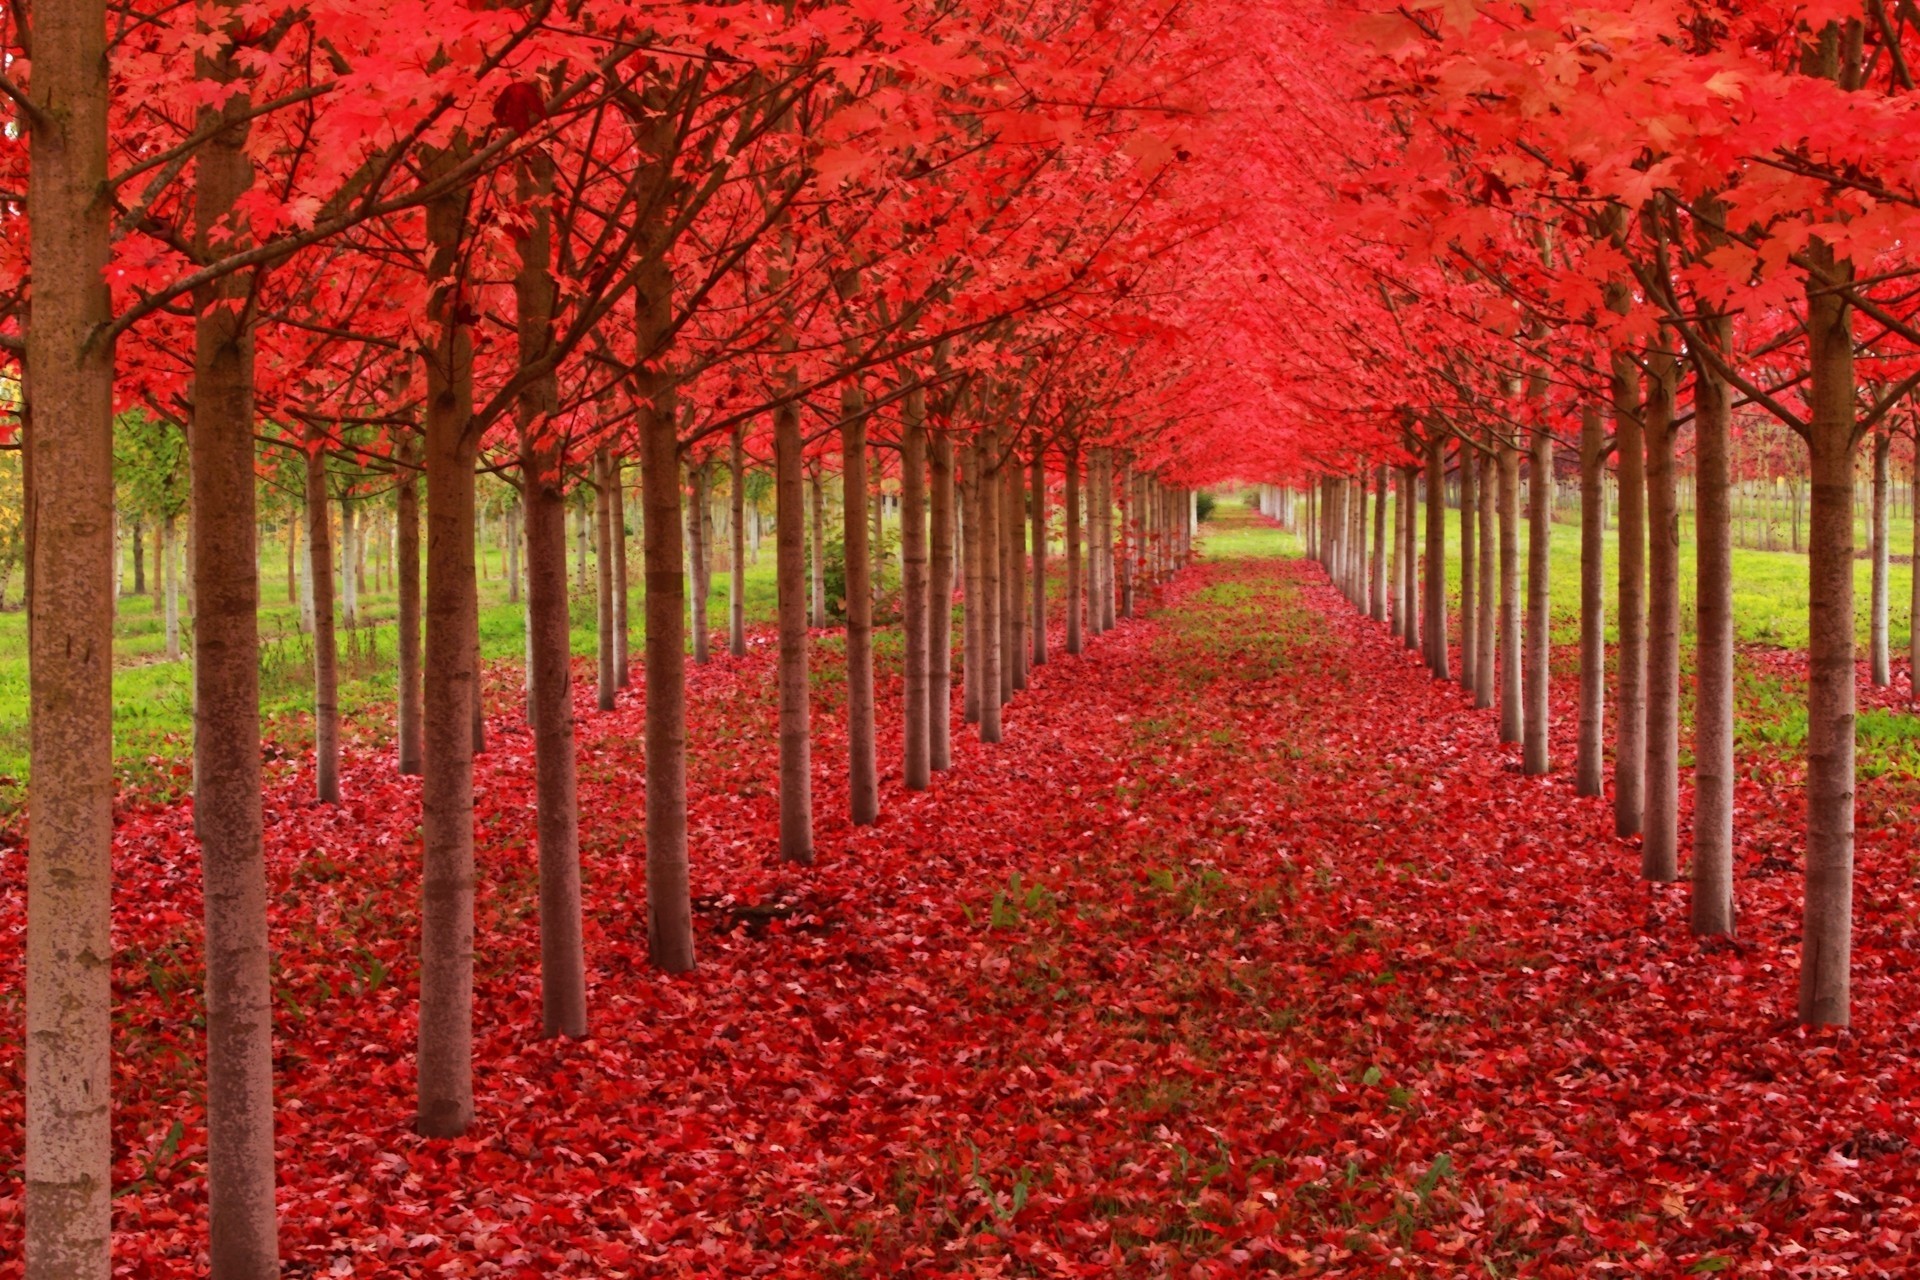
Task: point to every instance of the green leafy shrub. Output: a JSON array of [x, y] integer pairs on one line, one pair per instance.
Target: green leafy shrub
[[833, 569]]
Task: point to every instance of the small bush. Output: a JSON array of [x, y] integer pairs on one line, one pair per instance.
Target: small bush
[[1203, 504], [833, 569]]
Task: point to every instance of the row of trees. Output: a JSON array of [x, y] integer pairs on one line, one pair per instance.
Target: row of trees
[[556, 246], [1584, 231], [1128, 246]]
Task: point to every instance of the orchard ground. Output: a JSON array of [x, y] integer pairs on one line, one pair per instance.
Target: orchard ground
[[1249, 950]]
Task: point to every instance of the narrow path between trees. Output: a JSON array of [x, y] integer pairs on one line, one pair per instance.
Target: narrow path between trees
[[1246, 950]]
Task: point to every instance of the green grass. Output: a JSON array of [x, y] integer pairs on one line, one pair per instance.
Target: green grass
[[153, 698], [1230, 536], [1770, 608], [1769, 588]]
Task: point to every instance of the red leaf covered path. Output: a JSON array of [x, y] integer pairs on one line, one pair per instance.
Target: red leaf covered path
[[1247, 952]]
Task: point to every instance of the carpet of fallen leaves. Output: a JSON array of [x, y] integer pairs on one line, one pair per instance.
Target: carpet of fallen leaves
[[1249, 951]]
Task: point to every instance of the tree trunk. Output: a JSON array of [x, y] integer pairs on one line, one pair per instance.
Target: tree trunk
[[1015, 527], [1337, 525], [1535, 755], [1409, 554], [1881, 647], [139, 558], [603, 482], [1826, 955], [1166, 540], [1354, 539], [1152, 535], [710, 520], [477, 704], [1380, 544], [1590, 764], [1630, 715], [407, 642], [186, 579], [1344, 500], [699, 560], [1321, 496], [1090, 546], [1713, 907], [1098, 592], [819, 561], [1469, 600], [243, 1234], [737, 563], [170, 587], [622, 593], [1320, 521], [1352, 542], [582, 574], [876, 509], [1913, 603], [1356, 557], [1145, 542], [1099, 528], [1796, 515], [1339, 530], [1512, 708], [1129, 540], [1359, 563], [1487, 620], [796, 737], [445, 1052], [1660, 840], [1176, 506], [1402, 513], [988, 664], [1145, 567], [1320, 501], [940, 609], [563, 996], [1075, 573], [1436, 599], [1160, 513], [349, 561], [326, 652], [1109, 586], [863, 785], [915, 739], [1037, 500], [669, 892], [511, 518], [306, 578], [1310, 527], [1009, 535], [69, 501], [972, 584]]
